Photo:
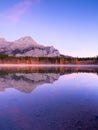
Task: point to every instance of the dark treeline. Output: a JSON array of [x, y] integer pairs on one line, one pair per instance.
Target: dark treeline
[[5, 59]]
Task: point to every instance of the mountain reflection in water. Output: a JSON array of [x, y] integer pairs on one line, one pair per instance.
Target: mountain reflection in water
[[26, 82], [25, 79]]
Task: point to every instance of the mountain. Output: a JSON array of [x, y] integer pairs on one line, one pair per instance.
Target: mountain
[[26, 46]]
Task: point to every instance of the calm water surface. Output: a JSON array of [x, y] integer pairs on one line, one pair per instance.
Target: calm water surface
[[54, 98]]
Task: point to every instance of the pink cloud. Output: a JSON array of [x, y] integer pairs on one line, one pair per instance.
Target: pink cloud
[[15, 13], [19, 9]]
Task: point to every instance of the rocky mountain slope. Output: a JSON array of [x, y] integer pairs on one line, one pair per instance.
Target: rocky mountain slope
[[26, 46]]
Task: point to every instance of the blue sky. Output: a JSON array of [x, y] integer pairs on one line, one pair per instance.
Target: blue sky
[[69, 25]]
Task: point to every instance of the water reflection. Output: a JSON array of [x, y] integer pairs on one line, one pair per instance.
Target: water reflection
[[49, 69], [26, 82], [25, 79], [59, 98]]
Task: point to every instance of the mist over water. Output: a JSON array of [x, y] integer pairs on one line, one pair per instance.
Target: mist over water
[[49, 98]]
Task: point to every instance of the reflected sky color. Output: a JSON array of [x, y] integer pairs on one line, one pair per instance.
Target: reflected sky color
[[67, 103], [69, 25]]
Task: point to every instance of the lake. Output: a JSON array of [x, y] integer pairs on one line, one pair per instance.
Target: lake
[[49, 98]]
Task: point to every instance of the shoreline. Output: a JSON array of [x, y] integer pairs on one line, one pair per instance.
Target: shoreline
[[48, 65]]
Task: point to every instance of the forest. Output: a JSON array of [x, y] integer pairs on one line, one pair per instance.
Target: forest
[[5, 59]]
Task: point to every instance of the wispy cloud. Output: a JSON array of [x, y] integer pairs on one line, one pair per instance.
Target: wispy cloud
[[19, 9], [14, 13]]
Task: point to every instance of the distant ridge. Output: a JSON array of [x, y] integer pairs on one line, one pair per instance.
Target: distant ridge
[[26, 46]]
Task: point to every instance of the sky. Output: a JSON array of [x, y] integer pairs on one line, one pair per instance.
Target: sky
[[71, 26]]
